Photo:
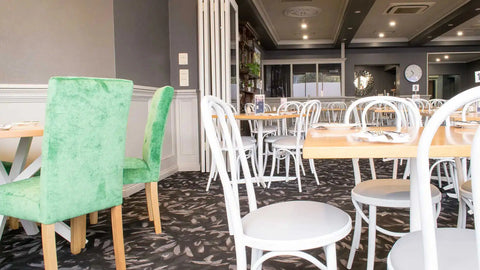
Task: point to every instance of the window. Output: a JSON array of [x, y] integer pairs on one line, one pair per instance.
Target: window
[[305, 78]]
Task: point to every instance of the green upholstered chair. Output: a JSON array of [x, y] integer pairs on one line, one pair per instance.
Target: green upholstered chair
[[147, 169], [82, 161]]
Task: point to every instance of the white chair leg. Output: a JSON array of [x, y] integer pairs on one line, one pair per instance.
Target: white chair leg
[[395, 168], [256, 254], [331, 255], [241, 254], [357, 233], [439, 173], [287, 165], [274, 157], [372, 168], [462, 214], [372, 224], [212, 175], [297, 160], [314, 171], [406, 173]]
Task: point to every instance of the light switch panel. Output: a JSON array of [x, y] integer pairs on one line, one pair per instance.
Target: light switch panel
[[183, 58], [183, 77]]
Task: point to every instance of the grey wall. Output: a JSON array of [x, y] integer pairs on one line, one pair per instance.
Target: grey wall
[[183, 39], [470, 74], [142, 41], [40, 39], [382, 80], [402, 57]]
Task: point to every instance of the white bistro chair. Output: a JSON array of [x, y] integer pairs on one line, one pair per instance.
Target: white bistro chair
[[391, 193], [435, 248], [291, 146], [285, 228], [250, 146]]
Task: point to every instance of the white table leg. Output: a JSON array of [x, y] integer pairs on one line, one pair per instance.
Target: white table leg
[[3, 174], [415, 224], [20, 157], [260, 151], [3, 221]]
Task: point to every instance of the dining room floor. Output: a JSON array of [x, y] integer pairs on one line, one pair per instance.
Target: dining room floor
[[195, 233]]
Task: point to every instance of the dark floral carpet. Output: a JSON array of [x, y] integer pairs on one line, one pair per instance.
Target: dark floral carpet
[[195, 233]]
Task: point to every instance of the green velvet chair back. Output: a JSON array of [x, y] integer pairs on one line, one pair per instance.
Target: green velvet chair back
[[155, 130], [83, 146]]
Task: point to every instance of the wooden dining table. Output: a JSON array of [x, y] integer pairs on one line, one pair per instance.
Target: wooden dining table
[[25, 131], [340, 144]]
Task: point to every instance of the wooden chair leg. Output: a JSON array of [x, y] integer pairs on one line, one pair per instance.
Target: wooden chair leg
[[117, 231], [78, 232], [93, 217], [149, 201], [13, 223], [49, 247], [153, 194]]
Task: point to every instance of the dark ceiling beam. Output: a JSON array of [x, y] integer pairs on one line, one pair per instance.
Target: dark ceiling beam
[[247, 12], [447, 23], [353, 17]]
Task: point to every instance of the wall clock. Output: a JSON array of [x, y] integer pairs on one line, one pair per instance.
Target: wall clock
[[413, 73]]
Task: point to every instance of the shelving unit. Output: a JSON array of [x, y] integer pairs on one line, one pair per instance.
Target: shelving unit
[[250, 64]]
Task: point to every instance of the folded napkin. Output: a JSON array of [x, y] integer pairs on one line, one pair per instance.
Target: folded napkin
[[382, 136]]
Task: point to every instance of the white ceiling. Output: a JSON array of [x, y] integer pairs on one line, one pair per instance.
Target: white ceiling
[[325, 27]]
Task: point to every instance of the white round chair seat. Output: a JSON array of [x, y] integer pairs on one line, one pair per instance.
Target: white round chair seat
[[248, 139], [295, 225], [388, 193], [268, 130], [272, 139], [466, 189], [287, 143], [456, 250]]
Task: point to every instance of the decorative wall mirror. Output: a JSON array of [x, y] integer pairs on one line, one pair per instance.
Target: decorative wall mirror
[[363, 82]]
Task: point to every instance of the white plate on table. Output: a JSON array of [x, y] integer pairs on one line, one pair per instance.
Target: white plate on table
[[381, 136], [5, 127], [334, 126], [466, 124]]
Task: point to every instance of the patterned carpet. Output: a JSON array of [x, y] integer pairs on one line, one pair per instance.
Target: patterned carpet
[[195, 227]]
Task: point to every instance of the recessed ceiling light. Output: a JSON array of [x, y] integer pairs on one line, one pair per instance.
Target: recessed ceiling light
[[429, 36], [450, 24], [438, 59], [357, 11], [459, 33], [305, 36], [477, 9], [446, 56], [381, 35], [392, 23], [304, 26], [344, 39], [349, 28]]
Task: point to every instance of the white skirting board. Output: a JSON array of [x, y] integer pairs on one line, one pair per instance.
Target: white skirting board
[[21, 102]]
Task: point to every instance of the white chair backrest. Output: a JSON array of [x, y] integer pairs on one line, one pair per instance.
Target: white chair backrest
[[309, 114], [231, 138], [422, 104], [436, 103], [406, 114], [423, 174], [469, 108], [335, 111]]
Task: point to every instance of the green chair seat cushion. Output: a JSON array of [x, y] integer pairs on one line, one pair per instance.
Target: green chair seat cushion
[[21, 199], [135, 170]]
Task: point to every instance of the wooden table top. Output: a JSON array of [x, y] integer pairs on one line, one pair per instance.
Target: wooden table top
[[331, 144], [18, 131]]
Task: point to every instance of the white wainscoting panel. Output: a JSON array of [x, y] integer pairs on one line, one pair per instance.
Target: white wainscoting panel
[[21, 102], [187, 121]]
